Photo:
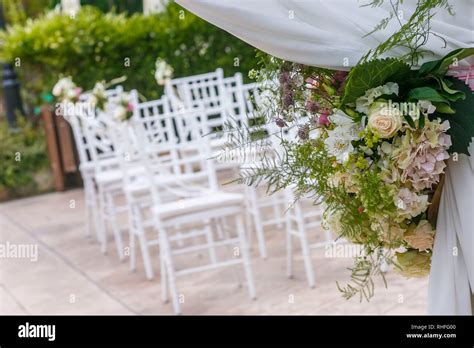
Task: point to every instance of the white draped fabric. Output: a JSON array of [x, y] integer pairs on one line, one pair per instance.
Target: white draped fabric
[[330, 33]]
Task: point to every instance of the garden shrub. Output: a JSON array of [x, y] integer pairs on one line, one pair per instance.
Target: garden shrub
[[23, 157], [96, 46]]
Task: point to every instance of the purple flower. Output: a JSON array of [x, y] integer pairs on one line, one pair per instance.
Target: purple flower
[[311, 106], [312, 83], [285, 77], [303, 132], [340, 76], [280, 122], [324, 119], [288, 99]]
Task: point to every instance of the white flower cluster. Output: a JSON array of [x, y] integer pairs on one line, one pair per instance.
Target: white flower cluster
[[66, 90], [163, 71]]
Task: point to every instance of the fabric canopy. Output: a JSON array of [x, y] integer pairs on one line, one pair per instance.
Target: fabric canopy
[[330, 33], [327, 33]]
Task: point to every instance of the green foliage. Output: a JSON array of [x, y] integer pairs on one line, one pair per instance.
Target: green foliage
[[96, 46], [426, 93], [441, 66], [462, 123], [372, 74], [22, 154], [130, 6], [17, 11], [413, 34]]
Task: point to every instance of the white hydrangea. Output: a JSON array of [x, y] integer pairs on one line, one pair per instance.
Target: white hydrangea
[[363, 103], [64, 88], [339, 140], [164, 72]]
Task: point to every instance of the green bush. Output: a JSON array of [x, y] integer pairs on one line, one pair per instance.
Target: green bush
[[22, 155], [96, 46]]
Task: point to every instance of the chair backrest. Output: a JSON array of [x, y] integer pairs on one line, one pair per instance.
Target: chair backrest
[[163, 154], [93, 143], [206, 89]]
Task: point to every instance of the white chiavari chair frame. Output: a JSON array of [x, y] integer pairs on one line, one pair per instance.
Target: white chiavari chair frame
[[205, 209]]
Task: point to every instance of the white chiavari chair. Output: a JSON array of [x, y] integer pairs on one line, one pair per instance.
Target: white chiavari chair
[[86, 165], [103, 172], [187, 205]]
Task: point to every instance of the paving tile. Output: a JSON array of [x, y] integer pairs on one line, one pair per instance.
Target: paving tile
[[73, 276]]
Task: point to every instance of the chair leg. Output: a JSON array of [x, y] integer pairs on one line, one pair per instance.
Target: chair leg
[[229, 248], [245, 257], [248, 216], [255, 211], [220, 229], [210, 242], [146, 255], [95, 209], [88, 207], [170, 275], [276, 210], [131, 238], [102, 231], [289, 246], [112, 212], [133, 251], [304, 245], [163, 279]]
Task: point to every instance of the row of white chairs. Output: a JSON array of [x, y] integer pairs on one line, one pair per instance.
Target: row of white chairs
[[158, 166]]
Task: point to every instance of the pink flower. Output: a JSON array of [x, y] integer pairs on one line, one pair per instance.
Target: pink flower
[[324, 119], [130, 107], [421, 155], [78, 91], [312, 83]]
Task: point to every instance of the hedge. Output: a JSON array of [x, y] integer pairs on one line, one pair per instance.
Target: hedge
[[96, 46]]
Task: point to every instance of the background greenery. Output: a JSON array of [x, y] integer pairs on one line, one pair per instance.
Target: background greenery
[[23, 158], [97, 46]]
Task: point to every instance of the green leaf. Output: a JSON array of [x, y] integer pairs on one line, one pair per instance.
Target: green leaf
[[410, 121], [444, 108], [426, 93], [442, 65], [421, 121], [447, 91], [373, 74], [454, 97], [462, 123]]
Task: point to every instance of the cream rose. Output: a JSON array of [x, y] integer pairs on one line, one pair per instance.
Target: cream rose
[[384, 120], [420, 236]]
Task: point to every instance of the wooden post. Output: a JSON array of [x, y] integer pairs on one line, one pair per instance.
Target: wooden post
[[66, 145], [53, 148]]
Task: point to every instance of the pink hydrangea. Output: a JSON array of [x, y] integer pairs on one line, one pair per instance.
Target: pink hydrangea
[[421, 155]]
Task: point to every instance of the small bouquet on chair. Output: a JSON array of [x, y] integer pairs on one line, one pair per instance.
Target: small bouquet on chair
[[374, 144]]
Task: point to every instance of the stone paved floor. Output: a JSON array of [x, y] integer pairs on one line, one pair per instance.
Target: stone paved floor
[[71, 276]]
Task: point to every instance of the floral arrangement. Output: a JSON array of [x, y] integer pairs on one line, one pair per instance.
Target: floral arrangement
[[123, 111], [97, 97], [372, 145], [66, 90], [163, 71]]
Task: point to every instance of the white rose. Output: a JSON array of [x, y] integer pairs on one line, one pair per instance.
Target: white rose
[[120, 113], [384, 121]]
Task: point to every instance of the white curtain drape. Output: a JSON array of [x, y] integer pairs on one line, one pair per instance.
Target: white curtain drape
[[330, 33]]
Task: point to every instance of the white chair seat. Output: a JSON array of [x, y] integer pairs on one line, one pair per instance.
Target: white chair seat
[[142, 183], [197, 204], [107, 162], [115, 175]]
